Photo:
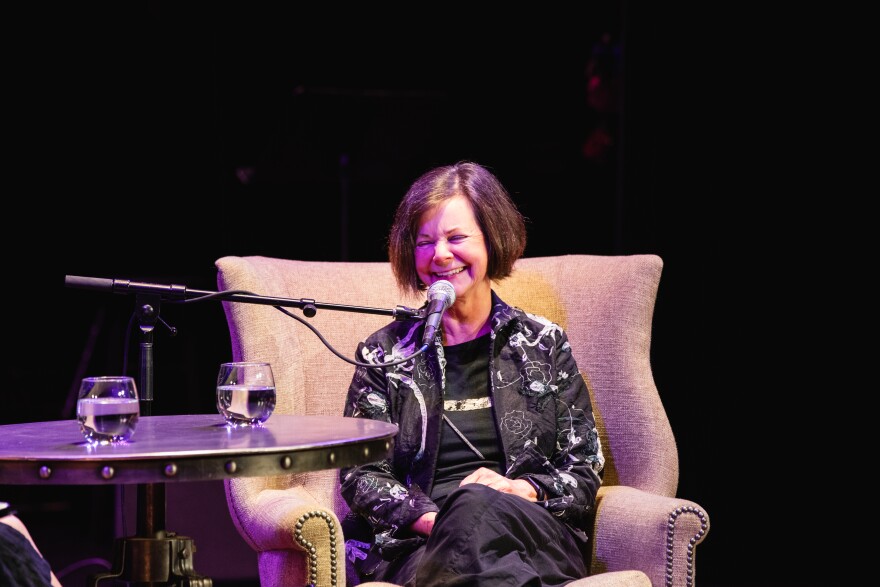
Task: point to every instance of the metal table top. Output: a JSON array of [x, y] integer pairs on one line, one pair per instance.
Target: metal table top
[[188, 448]]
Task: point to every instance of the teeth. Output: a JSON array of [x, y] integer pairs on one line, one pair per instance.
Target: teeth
[[447, 274]]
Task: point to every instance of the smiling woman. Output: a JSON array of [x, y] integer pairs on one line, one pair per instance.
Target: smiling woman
[[462, 500]]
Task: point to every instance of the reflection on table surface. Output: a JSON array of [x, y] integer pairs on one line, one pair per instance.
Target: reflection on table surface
[[188, 448]]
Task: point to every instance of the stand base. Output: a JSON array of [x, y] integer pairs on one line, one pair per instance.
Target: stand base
[[167, 560]]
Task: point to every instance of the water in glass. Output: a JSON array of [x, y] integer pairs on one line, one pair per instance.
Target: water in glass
[[245, 393], [107, 409]]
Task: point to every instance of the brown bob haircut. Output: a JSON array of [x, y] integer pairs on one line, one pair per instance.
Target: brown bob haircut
[[502, 224]]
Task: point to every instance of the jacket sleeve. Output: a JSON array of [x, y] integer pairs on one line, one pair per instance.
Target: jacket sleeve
[[372, 490], [571, 477]]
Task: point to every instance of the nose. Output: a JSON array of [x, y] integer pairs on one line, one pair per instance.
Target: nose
[[441, 250]]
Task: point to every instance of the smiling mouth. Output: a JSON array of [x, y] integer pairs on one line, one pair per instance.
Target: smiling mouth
[[450, 273]]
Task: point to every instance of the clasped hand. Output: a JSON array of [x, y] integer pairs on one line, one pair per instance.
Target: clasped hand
[[490, 478], [486, 477]]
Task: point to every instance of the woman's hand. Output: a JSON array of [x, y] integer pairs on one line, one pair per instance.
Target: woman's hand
[[424, 524], [490, 478]]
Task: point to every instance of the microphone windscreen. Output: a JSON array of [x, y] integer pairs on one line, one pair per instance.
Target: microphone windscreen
[[442, 290], [77, 281]]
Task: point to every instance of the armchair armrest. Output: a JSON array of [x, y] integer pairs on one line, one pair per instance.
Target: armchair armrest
[[655, 534], [295, 536]]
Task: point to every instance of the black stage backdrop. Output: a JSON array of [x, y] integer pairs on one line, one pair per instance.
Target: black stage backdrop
[[151, 139]]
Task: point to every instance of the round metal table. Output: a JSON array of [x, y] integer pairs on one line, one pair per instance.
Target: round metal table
[[188, 448], [167, 449]]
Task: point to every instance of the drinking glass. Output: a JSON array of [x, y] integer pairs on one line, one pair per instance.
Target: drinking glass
[[107, 409], [245, 393]]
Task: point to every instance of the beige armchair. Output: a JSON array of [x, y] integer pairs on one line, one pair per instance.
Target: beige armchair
[[642, 535]]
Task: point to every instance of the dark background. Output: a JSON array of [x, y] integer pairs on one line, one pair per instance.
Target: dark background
[[149, 139]]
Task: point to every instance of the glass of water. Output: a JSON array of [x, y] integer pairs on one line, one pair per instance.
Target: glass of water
[[107, 409], [245, 393]]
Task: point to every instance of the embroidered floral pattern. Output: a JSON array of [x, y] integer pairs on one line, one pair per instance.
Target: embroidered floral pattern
[[537, 374], [367, 483], [356, 550], [371, 404], [516, 423], [398, 492]]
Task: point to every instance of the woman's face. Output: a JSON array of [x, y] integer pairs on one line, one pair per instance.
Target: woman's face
[[450, 246]]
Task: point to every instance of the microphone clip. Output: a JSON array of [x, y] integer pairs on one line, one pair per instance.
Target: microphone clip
[[404, 313]]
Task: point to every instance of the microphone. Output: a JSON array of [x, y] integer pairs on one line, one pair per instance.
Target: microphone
[[441, 295], [125, 286]]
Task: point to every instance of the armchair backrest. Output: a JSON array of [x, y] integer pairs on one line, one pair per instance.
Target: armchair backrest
[[605, 304]]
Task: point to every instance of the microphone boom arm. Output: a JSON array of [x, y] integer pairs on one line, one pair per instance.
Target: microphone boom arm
[[181, 292]]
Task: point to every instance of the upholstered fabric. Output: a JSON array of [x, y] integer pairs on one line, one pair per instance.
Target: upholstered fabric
[[642, 532], [614, 579]]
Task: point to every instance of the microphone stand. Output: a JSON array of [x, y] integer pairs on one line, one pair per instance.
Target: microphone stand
[[157, 556], [163, 557]]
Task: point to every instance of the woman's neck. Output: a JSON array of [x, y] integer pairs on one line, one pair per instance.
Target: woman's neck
[[467, 320], [460, 333]]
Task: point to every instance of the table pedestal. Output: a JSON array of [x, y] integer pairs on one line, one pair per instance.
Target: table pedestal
[[164, 560], [155, 556]]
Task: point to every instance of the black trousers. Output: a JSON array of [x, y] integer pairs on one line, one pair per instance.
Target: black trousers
[[486, 538]]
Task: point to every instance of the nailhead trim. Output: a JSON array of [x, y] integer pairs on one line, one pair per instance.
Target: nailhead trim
[[313, 553], [670, 539], [692, 544]]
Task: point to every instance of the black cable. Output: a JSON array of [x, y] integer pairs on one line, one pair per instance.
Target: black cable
[[223, 294], [86, 562]]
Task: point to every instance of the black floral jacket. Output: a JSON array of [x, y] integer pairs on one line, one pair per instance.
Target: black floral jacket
[[542, 411]]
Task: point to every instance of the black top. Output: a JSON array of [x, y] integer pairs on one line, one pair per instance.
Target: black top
[[467, 405]]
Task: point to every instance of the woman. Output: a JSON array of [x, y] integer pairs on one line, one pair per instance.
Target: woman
[[497, 462]]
